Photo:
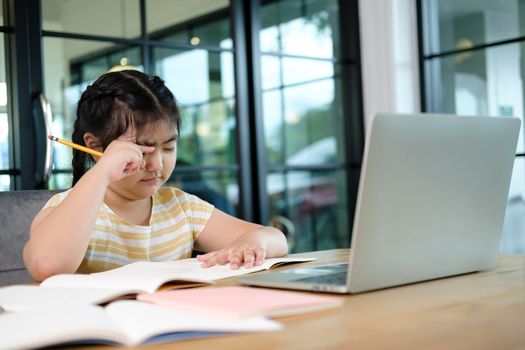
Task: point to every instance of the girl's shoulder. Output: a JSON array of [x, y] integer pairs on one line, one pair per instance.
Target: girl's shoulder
[[56, 199]]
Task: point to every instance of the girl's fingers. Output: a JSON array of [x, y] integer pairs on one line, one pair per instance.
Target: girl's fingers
[[260, 255], [249, 258], [235, 261], [213, 258], [207, 259], [146, 149], [204, 257], [222, 257]]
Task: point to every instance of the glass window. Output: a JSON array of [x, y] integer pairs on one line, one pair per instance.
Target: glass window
[[5, 182], [208, 134], [279, 70], [198, 22], [5, 128], [195, 76], [306, 203], [303, 122], [4, 141], [4, 124], [453, 25], [480, 82], [202, 82], [513, 239], [303, 125], [60, 181], [1, 13], [303, 28], [219, 188], [116, 18]]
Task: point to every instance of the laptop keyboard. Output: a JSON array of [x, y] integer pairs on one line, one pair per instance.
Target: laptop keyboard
[[338, 278]]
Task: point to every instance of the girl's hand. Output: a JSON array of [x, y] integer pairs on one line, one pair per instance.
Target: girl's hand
[[122, 158], [247, 251]]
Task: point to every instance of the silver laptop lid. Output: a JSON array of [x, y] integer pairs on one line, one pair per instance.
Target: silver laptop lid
[[432, 198]]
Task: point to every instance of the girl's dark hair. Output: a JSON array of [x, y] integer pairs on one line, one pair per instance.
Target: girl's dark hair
[[115, 102]]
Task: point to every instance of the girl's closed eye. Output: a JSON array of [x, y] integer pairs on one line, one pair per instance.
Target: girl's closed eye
[[169, 148]]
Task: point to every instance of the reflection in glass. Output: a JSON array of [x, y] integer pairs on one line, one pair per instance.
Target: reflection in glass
[[205, 92], [315, 202], [304, 28], [278, 70], [195, 76], [303, 125], [512, 239], [114, 58], [303, 70], [273, 116], [208, 134], [5, 182], [486, 82], [4, 125], [60, 181], [117, 18], [219, 188], [70, 66], [215, 33], [4, 142], [197, 22], [454, 25]]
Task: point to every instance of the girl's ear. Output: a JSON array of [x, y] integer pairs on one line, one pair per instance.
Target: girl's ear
[[91, 141]]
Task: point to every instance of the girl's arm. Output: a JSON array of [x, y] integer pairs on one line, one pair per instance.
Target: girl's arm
[[238, 242], [59, 236]]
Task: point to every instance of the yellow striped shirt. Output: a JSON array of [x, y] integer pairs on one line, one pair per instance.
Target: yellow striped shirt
[[177, 219]]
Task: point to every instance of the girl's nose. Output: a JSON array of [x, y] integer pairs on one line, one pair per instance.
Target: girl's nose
[[154, 161]]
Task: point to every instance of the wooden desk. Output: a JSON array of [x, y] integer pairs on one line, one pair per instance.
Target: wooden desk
[[475, 311]]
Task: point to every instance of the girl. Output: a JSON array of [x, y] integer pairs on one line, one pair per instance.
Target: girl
[[117, 212]]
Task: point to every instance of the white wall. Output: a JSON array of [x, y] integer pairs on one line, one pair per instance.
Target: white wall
[[389, 57]]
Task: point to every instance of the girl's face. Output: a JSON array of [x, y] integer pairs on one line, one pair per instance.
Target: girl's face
[[158, 166]]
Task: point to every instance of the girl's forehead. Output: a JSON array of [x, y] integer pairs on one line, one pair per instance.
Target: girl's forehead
[[157, 129]]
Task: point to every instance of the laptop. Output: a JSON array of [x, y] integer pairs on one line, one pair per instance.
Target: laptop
[[431, 202]]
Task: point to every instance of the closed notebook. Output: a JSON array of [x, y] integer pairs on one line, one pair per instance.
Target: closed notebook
[[240, 302]]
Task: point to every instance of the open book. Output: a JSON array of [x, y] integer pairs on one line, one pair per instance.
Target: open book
[[126, 322], [234, 302], [134, 278]]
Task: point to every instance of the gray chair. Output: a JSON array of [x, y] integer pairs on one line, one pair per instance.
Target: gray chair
[[17, 210]]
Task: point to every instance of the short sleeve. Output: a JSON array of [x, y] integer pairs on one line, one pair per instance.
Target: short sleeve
[[55, 200], [197, 211]]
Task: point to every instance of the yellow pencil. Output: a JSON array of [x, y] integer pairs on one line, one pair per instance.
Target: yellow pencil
[[75, 146]]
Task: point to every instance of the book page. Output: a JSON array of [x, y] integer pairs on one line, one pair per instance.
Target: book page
[[121, 322], [140, 282], [59, 325], [19, 298], [191, 270], [143, 321], [148, 276]]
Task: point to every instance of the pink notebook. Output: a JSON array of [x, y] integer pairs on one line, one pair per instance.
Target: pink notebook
[[239, 302]]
